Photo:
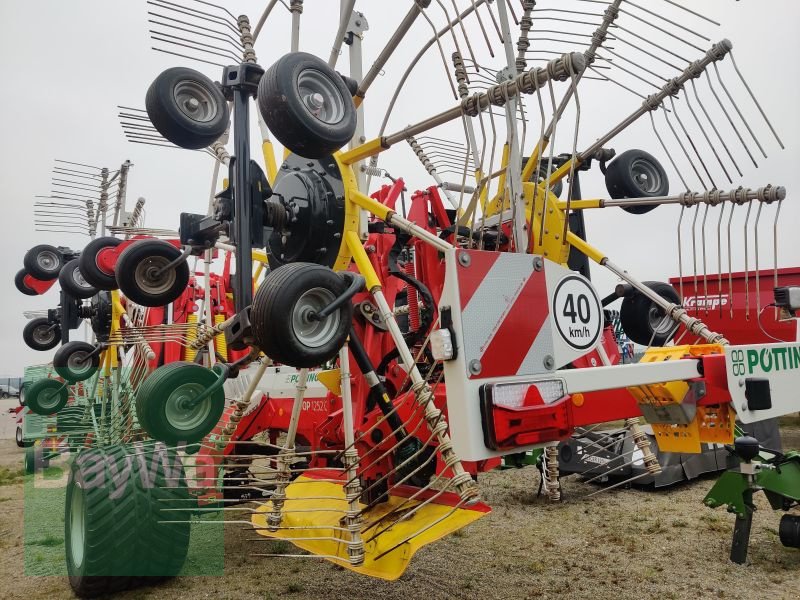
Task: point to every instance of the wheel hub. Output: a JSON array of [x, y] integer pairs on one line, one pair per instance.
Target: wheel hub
[[312, 193], [195, 102], [47, 260], [310, 331], [321, 96], [43, 334], [181, 409], [77, 277], [151, 276]]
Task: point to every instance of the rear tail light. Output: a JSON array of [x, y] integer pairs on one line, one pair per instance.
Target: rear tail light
[[524, 414]]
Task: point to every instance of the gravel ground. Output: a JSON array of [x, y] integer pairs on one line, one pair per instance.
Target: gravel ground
[[621, 544]]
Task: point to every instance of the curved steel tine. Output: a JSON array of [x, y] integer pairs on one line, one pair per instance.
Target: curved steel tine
[[705, 267], [488, 196], [671, 22], [755, 249], [692, 144], [738, 111], [746, 263], [730, 262], [554, 120], [680, 253], [716, 131], [539, 143], [708, 140], [461, 26], [730, 120], [755, 101], [694, 257], [494, 21], [576, 96], [483, 29], [775, 250], [664, 31], [683, 148], [719, 258]]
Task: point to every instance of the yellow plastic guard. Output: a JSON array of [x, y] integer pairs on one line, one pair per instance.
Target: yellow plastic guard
[[332, 380], [711, 424], [314, 509]]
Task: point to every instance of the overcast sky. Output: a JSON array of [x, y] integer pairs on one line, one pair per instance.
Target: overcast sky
[[63, 85]]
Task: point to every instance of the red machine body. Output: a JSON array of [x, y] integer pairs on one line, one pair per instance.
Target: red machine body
[[730, 304]]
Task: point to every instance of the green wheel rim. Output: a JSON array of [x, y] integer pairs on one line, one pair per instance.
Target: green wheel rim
[[48, 398], [180, 410], [76, 526]]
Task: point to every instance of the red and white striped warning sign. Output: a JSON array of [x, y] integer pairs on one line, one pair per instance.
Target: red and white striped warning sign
[[503, 309]]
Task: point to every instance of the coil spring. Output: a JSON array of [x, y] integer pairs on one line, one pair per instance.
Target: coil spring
[[220, 343], [189, 352], [412, 297]]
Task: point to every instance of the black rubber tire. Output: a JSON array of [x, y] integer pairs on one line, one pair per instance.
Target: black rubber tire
[[35, 335], [290, 119], [157, 395], [789, 531], [36, 265], [136, 262], [170, 119], [273, 314], [18, 437], [46, 396], [19, 283], [72, 282], [123, 543], [624, 179], [639, 316], [66, 361], [87, 262]]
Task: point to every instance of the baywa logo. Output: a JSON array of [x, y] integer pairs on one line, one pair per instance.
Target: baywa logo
[[114, 468], [765, 360]]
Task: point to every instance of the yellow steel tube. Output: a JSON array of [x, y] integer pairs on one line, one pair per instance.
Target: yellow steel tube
[[362, 261]]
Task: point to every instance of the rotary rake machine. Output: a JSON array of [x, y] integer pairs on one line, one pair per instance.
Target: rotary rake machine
[[390, 353]]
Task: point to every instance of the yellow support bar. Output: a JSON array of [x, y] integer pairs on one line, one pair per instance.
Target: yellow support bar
[[586, 248], [580, 204], [533, 161], [499, 202], [365, 150], [362, 260], [371, 205], [269, 160]]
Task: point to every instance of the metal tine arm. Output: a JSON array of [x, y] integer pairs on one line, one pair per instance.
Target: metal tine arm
[[228, 20], [598, 39], [402, 29], [527, 83], [739, 196], [654, 101]]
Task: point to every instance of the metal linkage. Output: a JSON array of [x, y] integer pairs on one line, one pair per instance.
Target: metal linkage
[[497, 95], [739, 196]]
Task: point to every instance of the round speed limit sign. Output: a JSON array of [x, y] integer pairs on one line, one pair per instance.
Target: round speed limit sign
[[577, 312]]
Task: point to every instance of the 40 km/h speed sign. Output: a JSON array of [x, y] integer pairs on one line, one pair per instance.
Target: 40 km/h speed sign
[[577, 312]]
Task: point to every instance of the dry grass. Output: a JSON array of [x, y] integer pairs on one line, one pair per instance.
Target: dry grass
[[620, 545]]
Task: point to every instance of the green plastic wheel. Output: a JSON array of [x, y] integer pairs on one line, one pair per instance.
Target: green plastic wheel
[[167, 405], [46, 396]]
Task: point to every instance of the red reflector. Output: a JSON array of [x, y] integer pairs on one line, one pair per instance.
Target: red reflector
[[509, 427]]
